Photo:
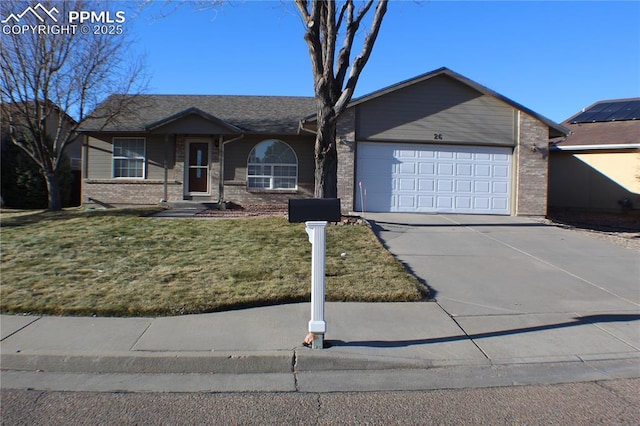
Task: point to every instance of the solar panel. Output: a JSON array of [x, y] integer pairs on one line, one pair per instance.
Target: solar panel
[[610, 111]]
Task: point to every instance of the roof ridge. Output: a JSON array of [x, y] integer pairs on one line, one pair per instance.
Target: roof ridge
[[219, 95]]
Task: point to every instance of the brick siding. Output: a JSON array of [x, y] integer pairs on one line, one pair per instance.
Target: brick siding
[[532, 167], [118, 192], [237, 193], [346, 140]]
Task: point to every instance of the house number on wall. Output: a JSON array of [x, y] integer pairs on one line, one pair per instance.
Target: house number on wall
[[437, 136]]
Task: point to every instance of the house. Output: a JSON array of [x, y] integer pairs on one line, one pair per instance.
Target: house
[[435, 143], [597, 167], [21, 191]]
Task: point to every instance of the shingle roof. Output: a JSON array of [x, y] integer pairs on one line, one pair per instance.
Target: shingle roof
[[602, 133], [250, 114]]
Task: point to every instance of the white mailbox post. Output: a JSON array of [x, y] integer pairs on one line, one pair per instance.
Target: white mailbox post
[[317, 325], [316, 214]]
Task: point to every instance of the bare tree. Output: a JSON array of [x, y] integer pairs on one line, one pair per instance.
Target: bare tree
[[53, 77], [335, 73]]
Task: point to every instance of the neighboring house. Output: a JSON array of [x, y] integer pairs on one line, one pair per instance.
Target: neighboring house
[[10, 122], [597, 167], [436, 143]]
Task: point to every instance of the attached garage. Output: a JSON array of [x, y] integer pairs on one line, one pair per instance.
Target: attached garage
[[395, 177], [441, 143]]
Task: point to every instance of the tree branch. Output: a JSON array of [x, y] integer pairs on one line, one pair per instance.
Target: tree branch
[[361, 60]]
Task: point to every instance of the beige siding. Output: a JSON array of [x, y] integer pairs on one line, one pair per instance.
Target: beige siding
[[594, 181], [155, 156], [438, 110], [100, 156]]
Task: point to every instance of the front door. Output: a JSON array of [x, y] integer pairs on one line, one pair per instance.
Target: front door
[[198, 153]]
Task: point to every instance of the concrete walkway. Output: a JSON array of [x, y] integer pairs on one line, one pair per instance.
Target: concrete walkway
[[516, 302]]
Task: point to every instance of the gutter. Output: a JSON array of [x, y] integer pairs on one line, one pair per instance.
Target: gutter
[[594, 147], [301, 128]]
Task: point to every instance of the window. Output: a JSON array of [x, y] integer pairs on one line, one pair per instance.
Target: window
[[128, 158], [272, 165]]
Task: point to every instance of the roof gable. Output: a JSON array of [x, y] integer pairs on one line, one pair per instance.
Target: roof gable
[[554, 128], [176, 123]]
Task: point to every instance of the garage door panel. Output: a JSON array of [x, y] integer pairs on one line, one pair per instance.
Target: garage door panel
[[433, 178], [445, 185], [426, 169], [406, 153], [406, 201], [444, 202], [464, 203], [481, 203], [408, 168], [501, 171], [465, 169], [426, 153], [426, 202], [482, 170], [500, 188], [499, 204], [445, 169], [407, 184], [482, 187], [464, 186]]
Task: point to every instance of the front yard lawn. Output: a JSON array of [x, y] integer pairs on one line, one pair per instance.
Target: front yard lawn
[[122, 263]]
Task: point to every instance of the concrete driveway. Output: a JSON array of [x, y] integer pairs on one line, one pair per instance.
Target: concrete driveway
[[492, 265], [520, 288]]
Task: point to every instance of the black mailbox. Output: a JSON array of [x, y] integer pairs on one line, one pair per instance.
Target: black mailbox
[[308, 209]]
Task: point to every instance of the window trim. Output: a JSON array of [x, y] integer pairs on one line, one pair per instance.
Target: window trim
[[119, 157], [271, 176]]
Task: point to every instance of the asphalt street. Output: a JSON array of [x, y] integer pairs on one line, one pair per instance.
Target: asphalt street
[[607, 402]]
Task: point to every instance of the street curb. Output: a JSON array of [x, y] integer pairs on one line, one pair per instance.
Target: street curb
[[313, 360], [152, 363], [287, 361], [299, 360]]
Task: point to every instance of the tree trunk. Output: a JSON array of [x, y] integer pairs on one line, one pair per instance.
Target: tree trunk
[[326, 156], [53, 191]]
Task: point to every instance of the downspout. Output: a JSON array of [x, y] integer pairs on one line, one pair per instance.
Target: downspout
[[221, 144], [85, 166], [516, 172]]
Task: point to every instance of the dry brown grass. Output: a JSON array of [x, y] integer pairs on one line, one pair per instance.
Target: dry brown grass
[[121, 263]]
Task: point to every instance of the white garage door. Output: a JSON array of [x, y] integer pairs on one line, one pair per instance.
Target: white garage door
[[433, 178]]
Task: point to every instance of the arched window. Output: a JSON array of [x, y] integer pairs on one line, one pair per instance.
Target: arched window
[[272, 164]]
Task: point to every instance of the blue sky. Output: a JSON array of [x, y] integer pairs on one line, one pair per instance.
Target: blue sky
[[553, 57]]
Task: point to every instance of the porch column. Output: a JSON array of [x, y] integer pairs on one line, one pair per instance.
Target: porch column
[[221, 177], [165, 196]]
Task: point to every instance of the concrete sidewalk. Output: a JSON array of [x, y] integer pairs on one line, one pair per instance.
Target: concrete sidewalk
[[399, 345]]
